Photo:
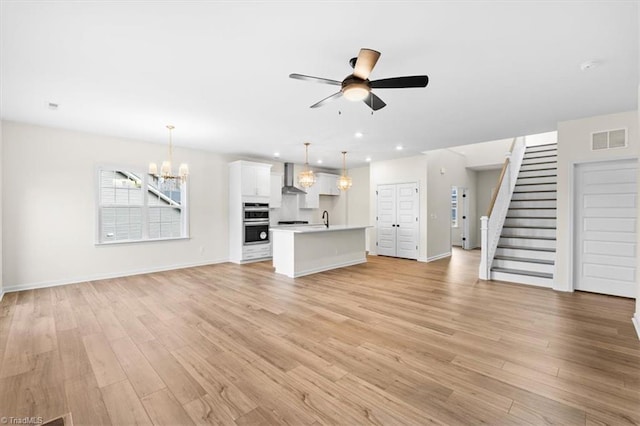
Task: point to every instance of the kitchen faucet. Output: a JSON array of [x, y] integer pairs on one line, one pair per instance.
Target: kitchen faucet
[[326, 220]]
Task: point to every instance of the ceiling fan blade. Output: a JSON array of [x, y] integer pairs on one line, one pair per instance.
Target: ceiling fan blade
[[315, 79], [367, 59], [401, 82], [326, 100], [374, 102]]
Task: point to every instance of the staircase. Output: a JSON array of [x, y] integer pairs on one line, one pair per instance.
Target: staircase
[[527, 247]]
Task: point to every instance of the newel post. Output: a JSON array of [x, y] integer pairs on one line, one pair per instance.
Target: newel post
[[484, 248]]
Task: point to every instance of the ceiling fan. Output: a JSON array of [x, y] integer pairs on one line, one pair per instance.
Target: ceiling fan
[[357, 86]]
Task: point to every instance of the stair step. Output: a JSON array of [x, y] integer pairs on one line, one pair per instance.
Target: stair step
[[536, 187], [528, 232], [532, 180], [531, 222], [537, 173], [522, 279], [521, 272], [536, 204], [540, 154], [525, 259], [528, 238], [542, 254], [538, 167], [538, 161], [536, 148], [530, 213], [526, 248], [532, 195], [529, 243]]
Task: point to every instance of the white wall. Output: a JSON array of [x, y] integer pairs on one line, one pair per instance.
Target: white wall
[[574, 146], [486, 182], [1, 257], [49, 207], [358, 200], [445, 169], [402, 170]]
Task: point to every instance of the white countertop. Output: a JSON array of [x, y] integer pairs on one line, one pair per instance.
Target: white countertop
[[314, 228]]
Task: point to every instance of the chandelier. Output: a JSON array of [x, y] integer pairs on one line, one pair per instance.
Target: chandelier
[[166, 176], [344, 181], [306, 178]]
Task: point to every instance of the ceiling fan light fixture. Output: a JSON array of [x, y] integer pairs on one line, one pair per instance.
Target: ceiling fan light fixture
[[356, 92]]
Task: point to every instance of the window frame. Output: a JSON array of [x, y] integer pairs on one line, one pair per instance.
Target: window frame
[[145, 207]]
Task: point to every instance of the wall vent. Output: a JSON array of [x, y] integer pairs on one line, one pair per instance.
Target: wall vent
[[609, 139]]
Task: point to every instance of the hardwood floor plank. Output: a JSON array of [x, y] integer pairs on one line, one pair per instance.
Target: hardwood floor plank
[[164, 409], [142, 376], [392, 341], [184, 387], [123, 405], [103, 361], [85, 401]]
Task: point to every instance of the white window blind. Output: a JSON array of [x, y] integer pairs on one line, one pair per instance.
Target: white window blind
[[136, 207]]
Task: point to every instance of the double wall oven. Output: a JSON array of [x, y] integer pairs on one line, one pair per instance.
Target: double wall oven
[[255, 223]]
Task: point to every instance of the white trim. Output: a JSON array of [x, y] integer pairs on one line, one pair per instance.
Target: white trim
[[1, 295], [55, 283], [328, 267], [636, 323], [438, 256]]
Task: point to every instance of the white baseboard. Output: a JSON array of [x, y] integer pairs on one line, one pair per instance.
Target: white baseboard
[[439, 256], [55, 283], [636, 323], [1, 295]]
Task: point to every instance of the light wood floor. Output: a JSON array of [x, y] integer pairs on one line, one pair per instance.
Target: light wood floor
[[388, 342]]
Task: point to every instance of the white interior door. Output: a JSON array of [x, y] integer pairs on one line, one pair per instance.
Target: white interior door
[[397, 224], [463, 195], [386, 223], [605, 228], [407, 220]]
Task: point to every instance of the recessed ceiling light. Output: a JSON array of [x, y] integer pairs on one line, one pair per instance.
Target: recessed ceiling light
[[588, 65], [276, 154], [319, 161], [399, 147], [368, 159], [358, 135]]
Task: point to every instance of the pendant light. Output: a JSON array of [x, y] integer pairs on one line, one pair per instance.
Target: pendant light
[[344, 181], [166, 175], [306, 178]]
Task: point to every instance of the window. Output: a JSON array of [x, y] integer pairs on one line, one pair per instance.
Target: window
[[138, 207], [454, 207]]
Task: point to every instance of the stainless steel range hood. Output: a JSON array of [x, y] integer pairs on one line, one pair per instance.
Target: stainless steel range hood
[[288, 188]]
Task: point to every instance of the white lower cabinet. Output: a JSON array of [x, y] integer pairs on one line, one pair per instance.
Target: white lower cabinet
[[256, 251]]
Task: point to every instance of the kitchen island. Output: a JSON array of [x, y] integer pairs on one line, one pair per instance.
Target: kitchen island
[[305, 250]]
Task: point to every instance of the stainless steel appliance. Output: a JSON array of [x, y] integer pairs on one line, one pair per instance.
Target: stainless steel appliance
[[256, 223]]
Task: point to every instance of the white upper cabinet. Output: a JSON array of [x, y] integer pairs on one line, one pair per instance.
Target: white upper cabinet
[[255, 179], [328, 184], [277, 182]]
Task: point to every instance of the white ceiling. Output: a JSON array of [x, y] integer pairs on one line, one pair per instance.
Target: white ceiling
[[219, 71]]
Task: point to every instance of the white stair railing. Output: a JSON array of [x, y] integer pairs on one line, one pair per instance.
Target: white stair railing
[[491, 225]]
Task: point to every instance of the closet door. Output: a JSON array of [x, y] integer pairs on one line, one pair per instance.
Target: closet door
[[407, 220], [397, 220], [386, 223]]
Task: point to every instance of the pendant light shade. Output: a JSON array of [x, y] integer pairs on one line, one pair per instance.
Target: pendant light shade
[[344, 181], [166, 173], [306, 178]]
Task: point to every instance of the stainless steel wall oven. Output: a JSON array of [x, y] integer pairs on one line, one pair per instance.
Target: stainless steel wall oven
[[256, 223]]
